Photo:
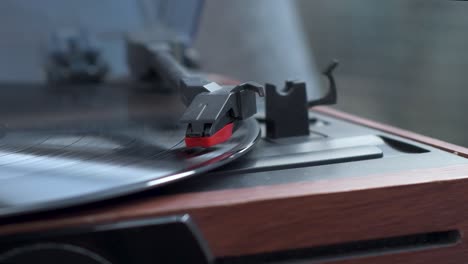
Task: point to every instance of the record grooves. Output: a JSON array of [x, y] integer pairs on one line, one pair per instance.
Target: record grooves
[[53, 162]]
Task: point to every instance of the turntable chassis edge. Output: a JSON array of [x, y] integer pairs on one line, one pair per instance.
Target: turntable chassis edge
[[277, 218]]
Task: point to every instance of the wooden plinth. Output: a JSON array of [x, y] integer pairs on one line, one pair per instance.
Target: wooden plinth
[[314, 213]]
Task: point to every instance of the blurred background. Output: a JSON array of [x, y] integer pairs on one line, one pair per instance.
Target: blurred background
[[402, 62]]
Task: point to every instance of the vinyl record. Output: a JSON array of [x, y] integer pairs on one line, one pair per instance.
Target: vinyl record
[[57, 152]]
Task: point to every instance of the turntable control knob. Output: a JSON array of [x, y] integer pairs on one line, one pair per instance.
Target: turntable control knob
[[51, 253]]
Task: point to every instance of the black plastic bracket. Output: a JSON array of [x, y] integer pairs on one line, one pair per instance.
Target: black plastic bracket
[[286, 112]]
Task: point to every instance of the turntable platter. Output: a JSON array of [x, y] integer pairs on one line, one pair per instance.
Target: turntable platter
[[61, 150]]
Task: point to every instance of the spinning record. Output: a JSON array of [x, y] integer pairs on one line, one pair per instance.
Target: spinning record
[[77, 145]]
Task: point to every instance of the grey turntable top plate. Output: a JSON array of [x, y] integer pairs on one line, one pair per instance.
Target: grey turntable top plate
[[69, 145]]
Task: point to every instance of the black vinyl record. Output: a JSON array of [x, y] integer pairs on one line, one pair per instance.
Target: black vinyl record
[[71, 145]]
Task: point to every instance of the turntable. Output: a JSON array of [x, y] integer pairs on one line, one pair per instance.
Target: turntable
[[188, 168]]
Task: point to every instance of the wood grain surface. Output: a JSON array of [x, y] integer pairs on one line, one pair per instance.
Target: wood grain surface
[[314, 213]]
